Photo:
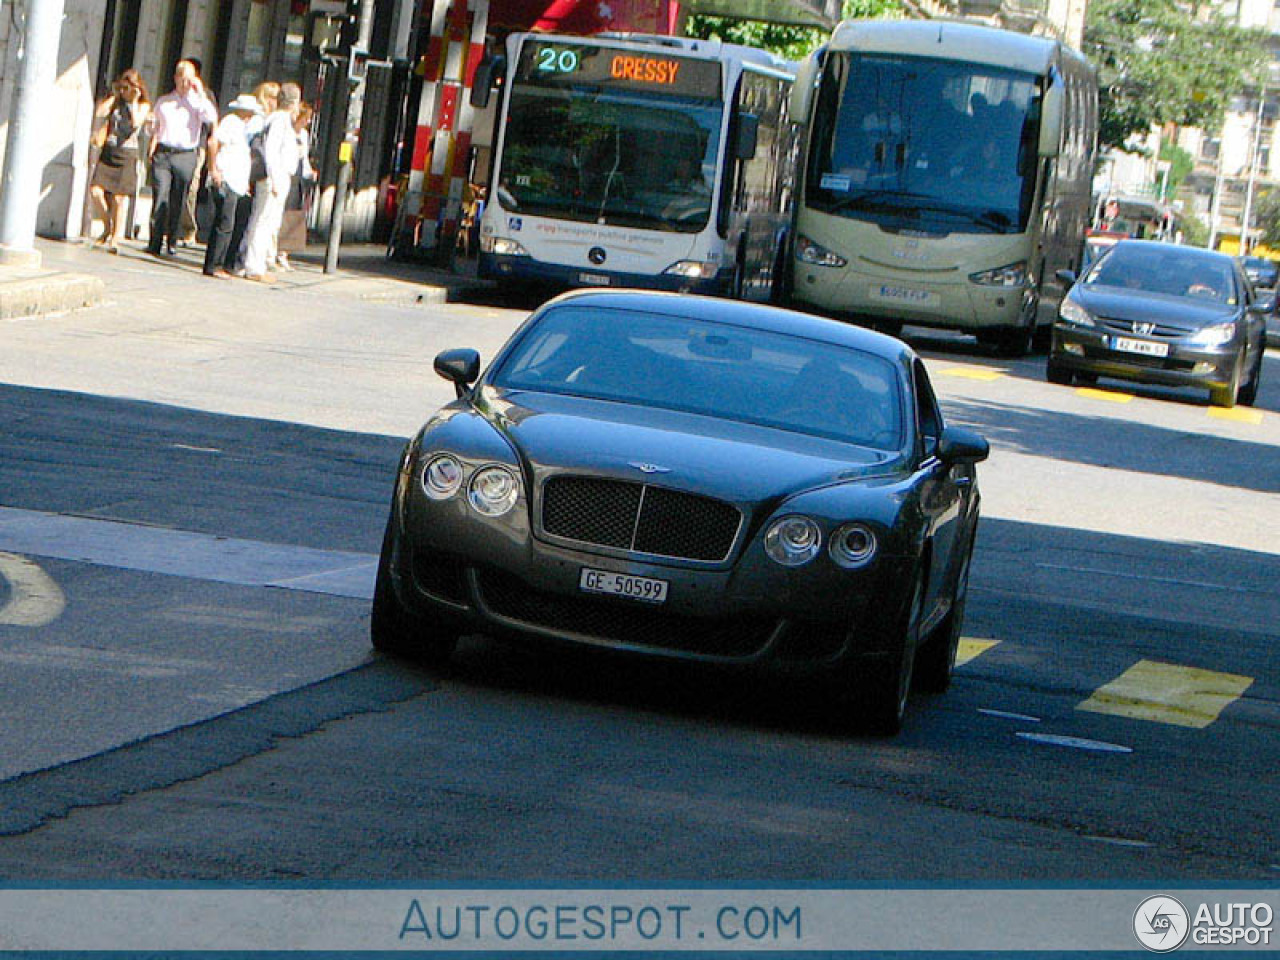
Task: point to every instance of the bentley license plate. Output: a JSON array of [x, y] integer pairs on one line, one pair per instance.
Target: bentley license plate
[[623, 585], [1144, 347]]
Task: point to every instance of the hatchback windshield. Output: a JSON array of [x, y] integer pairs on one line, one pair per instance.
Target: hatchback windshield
[[1166, 270], [713, 369]]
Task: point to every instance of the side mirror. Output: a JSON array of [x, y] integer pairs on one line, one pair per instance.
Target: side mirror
[[958, 445], [460, 366], [748, 136], [490, 72], [1066, 277], [802, 88], [1263, 305], [1051, 110]]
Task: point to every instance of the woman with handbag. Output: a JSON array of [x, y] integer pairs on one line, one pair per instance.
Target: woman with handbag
[[119, 119]]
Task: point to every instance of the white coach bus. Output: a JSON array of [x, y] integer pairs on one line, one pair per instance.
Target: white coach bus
[[946, 177], [636, 160]]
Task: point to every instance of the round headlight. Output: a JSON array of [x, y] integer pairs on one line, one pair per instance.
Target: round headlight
[[853, 545], [493, 491], [442, 477], [792, 541]]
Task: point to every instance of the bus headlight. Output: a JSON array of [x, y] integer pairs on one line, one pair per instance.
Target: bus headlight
[[502, 246], [693, 269], [809, 252], [1010, 275], [1071, 312]]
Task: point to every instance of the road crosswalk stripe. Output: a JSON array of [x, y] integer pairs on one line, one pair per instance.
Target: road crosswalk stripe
[[1237, 414], [1168, 693], [973, 373], [1111, 396], [970, 648]]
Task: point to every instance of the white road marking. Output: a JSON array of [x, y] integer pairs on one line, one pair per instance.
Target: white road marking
[[1078, 743], [1145, 576], [1006, 715], [182, 553], [34, 599]]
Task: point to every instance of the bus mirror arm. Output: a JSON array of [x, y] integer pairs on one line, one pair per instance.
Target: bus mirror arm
[[1051, 110], [490, 71], [748, 136]]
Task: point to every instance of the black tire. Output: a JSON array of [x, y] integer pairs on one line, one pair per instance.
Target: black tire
[[1248, 394], [1056, 373], [1226, 396], [1011, 341], [395, 630], [891, 328], [936, 662], [885, 684]]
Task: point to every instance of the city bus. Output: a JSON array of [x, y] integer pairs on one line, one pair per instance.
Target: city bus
[[637, 160], [946, 177]]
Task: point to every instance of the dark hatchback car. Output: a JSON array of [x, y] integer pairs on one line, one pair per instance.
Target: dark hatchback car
[[1262, 273], [691, 478], [1164, 314]]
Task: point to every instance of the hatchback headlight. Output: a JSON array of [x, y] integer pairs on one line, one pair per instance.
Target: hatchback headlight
[[1072, 312], [493, 491], [502, 246], [1214, 335], [441, 477], [694, 269], [853, 545], [792, 541], [809, 252], [1010, 275]]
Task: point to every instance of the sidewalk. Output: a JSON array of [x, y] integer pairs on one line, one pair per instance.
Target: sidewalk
[[75, 275]]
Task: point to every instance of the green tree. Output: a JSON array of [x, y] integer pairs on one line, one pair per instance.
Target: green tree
[[1180, 164], [789, 42], [1267, 217], [1194, 232], [1158, 63]]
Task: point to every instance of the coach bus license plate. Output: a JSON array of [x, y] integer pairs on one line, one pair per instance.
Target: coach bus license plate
[[1145, 347], [594, 279], [908, 295], [623, 585]]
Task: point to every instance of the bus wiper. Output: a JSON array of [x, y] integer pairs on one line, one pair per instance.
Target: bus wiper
[[873, 199]]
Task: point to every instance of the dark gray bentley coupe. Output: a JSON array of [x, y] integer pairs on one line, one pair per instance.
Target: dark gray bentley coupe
[[694, 478]]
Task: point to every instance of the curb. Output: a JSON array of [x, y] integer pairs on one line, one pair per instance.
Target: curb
[[47, 293]]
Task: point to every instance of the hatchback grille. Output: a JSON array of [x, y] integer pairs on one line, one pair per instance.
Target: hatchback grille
[[622, 621], [1160, 330], [639, 517]]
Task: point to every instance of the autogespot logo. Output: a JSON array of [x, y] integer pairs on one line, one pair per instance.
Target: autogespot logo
[[1161, 924]]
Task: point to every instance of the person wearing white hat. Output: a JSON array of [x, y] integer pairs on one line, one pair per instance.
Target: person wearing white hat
[[229, 163]]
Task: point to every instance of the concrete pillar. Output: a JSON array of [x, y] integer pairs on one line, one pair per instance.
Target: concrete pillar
[[24, 168]]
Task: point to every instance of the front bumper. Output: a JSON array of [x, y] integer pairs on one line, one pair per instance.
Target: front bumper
[[502, 267], [495, 577], [1088, 350]]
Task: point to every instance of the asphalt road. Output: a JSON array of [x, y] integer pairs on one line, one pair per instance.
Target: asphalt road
[[192, 488]]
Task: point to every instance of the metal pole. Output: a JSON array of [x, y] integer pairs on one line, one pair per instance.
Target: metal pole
[[23, 165], [352, 117], [1255, 150]]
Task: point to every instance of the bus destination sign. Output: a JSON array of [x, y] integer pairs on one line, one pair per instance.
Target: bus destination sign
[[568, 64]]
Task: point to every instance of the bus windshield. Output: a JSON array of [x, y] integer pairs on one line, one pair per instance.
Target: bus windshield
[[617, 154], [944, 145]]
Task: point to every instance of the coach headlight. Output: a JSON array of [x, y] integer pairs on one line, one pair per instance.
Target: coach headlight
[[815, 253], [1010, 275], [694, 269], [792, 541], [502, 246]]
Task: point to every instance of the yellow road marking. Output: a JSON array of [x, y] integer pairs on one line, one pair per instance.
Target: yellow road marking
[[973, 373], [1113, 396], [1238, 414], [34, 599], [1168, 693], [970, 648]]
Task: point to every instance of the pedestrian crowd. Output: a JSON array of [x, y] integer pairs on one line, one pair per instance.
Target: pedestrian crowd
[[240, 177]]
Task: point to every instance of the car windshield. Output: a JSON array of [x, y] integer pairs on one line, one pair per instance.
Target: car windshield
[[713, 369], [1167, 271], [939, 143]]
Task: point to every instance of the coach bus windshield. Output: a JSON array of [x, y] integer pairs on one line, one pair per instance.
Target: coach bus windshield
[[609, 136], [939, 144]]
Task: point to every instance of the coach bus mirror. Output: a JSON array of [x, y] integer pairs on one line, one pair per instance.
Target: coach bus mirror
[[460, 366], [1051, 108], [748, 134], [958, 445], [1066, 277], [488, 74], [802, 88]]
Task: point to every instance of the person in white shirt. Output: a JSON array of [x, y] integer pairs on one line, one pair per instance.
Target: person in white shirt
[[179, 118], [229, 164], [280, 144]]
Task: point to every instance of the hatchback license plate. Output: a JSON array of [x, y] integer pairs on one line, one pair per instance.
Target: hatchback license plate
[[1145, 347], [623, 585]]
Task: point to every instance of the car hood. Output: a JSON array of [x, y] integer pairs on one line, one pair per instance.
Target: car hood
[[731, 461], [1116, 303]]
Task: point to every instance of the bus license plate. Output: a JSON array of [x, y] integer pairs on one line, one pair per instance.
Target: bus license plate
[[623, 585], [1144, 347], [594, 279], [908, 295]]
